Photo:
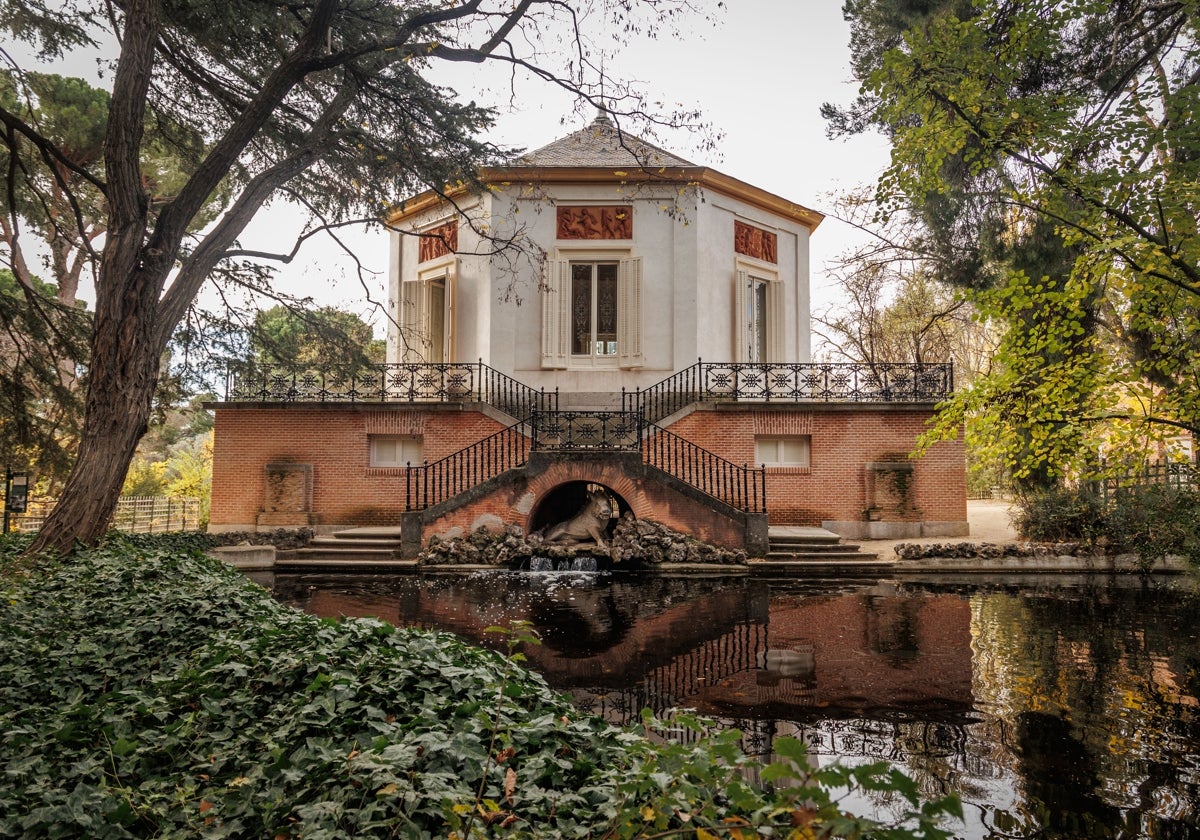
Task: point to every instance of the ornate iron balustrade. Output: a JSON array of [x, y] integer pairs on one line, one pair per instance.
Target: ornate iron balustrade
[[740, 487], [597, 430], [792, 382], [408, 382], [430, 484]]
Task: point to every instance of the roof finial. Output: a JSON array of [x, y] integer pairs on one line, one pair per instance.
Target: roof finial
[[602, 116]]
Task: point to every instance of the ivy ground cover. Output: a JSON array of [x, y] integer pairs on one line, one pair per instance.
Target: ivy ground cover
[[149, 691]]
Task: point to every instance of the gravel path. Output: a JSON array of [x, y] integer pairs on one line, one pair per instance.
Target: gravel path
[[988, 519]]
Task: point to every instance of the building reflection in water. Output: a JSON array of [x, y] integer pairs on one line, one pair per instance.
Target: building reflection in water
[[987, 693], [731, 648]]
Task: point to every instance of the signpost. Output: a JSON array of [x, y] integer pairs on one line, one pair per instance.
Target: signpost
[[16, 494]]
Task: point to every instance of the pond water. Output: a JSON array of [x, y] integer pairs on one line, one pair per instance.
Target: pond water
[[1054, 711]]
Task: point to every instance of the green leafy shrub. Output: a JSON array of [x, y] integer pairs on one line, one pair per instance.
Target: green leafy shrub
[[1061, 515], [153, 692], [1153, 522]]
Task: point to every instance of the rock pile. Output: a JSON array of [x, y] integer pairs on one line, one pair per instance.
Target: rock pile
[[633, 541], [282, 538], [916, 551]]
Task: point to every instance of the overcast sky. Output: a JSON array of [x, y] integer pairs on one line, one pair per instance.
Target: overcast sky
[[759, 73]]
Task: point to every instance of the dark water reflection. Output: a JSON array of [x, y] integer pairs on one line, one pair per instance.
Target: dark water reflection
[[1054, 711]]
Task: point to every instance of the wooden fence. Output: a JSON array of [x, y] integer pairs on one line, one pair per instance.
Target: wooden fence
[[1180, 476], [134, 515]]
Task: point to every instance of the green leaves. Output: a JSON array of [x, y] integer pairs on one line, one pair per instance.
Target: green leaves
[[1048, 150], [153, 692]]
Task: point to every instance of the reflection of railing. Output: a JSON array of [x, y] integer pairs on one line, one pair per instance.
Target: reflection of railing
[[417, 382], [595, 430], [683, 678], [430, 484], [133, 515], [741, 487], [793, 382]]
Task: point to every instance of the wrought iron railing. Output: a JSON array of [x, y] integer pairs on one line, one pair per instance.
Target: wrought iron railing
[[741, 487], [595, 430], [792, 382], [407, 382], [432, 484]]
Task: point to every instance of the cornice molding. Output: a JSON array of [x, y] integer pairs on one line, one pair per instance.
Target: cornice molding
[[701, 176]]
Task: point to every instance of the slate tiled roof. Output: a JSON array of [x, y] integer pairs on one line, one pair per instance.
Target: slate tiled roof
[[600, 145]]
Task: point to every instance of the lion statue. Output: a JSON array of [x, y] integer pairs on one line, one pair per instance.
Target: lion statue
[[589, 522]]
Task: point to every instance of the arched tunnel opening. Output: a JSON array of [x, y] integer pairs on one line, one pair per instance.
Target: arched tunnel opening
[[567, 500]]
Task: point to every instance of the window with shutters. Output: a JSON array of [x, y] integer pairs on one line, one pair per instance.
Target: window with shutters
[[783, 450], [427, 314], [758, 311], [396, 450], [592, 313]]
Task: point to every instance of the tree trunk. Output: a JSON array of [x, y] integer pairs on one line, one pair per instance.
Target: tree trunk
[[120, 391]]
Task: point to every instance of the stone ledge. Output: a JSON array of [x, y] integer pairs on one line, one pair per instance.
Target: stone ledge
[[245, 557], [1023, 557]]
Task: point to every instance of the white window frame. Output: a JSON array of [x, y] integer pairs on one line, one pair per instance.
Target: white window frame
[[416, 310], [410, 447], [746, 272], [556, 311], [761, 442]]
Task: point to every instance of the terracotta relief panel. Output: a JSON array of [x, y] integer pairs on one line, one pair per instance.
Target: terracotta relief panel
[[611, 222], [754, 242], [439, 241]]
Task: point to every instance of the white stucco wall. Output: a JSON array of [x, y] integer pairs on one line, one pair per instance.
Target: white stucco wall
[[688, 281]]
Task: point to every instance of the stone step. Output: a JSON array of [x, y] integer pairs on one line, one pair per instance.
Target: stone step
[[382, 532], [837, 556], [327, 548], [800, 544], [346, 562], [812, 547], [801, 539], [334, 542]]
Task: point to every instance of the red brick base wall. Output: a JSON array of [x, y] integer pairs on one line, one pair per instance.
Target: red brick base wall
[[334, 440], [852, 448], [838, 486]]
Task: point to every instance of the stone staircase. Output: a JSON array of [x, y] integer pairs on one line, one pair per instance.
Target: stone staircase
[[792, 546], [353, 546]]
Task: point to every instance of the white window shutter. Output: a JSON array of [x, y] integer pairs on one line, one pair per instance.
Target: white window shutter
[[776, 327], [556, 315], [412, 320], [741, 315], [451, 314], [629, 314]]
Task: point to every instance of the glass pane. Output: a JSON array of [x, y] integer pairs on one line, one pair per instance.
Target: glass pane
[[385, 451], [581, 309], [409, 450], [757, 311], [606, 309], [766, 450], [794, 451]]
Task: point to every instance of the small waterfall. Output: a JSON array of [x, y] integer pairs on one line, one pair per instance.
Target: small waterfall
[[582, 563]]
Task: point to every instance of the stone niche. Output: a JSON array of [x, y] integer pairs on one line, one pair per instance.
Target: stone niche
[[888, 491], [287, 496]]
